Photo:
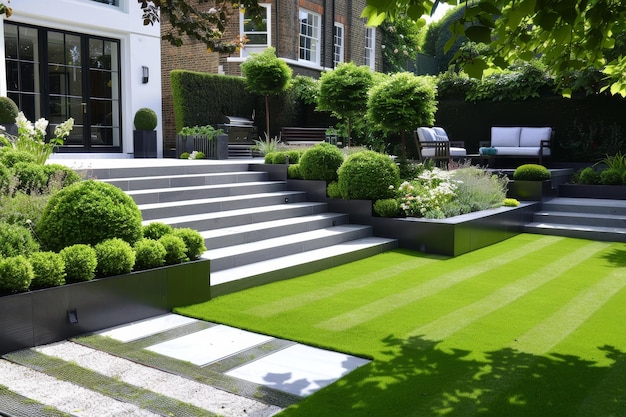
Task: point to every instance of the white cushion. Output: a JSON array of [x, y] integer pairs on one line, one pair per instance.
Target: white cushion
[[426, 134], [521, 151], [532, 136], [458, 152], [505, 136], [440, 133]]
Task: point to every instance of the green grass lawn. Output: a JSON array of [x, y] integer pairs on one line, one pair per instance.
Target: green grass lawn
[[532, 326]]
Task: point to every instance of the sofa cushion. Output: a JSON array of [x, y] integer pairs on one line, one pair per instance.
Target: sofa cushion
[[426, 134], [440, 133], [532, 136], [521, 151], [505, 136], [454, 152]]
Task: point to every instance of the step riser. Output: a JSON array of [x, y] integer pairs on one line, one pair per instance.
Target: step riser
[[241, 238], [581, 220], [218, 264], [224, 205], [194, 167], [581, 208], [223, 190], [578, 234], [261, 216], [132, 184]]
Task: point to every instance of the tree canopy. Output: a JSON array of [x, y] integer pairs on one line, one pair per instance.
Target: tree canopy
[[568, 35]]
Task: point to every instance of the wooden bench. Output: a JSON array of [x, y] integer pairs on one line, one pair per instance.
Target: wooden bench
[[302, 135]]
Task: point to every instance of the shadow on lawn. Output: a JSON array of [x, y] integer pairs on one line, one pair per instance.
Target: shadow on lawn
[[617, 257], [419, 379]]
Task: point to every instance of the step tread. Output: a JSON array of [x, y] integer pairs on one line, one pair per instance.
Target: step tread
[[182, 175], [202, 187], [148, 206], [575, 214], [576, 227]]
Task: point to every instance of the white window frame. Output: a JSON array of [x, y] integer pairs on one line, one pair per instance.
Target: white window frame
[[251, 48], [369, 57], [313, 36], [338, 43]]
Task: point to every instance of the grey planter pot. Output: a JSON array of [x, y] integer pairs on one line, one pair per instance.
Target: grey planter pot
[[53, 314], [530, 190], [145, 143], [212, 149]]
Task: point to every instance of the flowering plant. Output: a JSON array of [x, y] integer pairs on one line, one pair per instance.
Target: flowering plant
[[426, 195], [31, 137]]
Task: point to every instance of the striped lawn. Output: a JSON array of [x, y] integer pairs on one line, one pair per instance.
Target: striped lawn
[[532, 326]]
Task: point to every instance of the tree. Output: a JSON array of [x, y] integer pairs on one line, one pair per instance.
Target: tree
[[402, 102], [569, 35], [343, 91], [266, 74]]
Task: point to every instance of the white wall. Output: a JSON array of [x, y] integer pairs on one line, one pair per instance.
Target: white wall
[[140, 46]]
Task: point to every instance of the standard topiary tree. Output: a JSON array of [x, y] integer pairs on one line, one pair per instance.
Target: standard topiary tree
[[321, 162], [48, 270], [89, 212], [402, 102], [115, 256], [266, 74], [80, 263], [145, 119], [368, 175], [343, 91], [531, 172]]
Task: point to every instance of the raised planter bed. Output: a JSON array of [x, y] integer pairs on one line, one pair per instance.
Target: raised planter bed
[[530, 190], [53, 314], [212, 148], [612, 192]]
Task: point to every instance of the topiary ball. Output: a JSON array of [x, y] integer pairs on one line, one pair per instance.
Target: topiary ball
[[115, 256], [48, 270], [332, 190], [388, 207], [148, 254], [80, 263], [31, 177], [279, 158], [89, 212], [589, 176], [16, 274], [611, 176], [368, 175], [8, 110], [321, 162], [16, 240], [10, 156], [531, 172], [293, 172], [145, 119], [175, 249], [156, 230], [193, 241]]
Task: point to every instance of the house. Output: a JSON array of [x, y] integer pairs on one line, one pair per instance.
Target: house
[[310, 35], [92, 60]]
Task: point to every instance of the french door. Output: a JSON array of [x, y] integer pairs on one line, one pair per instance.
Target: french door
[[57, 75]]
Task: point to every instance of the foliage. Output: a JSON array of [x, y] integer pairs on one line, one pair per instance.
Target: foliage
[[5, 179], [425, 195], [30, 177], [115, 256], [149, 253], [589, 176], [306, 88], [156, 230], [332, 190], [321, 162], [145, 119], [515, 83], [400, 42], [60, 176], [10, 156], [531, 172], [344, 92], [617, 161], [510, 202], [22, 209], [16, 240], [387, 207], [184, 155], [368, 175], [476, 189], [206, 130], [278, 158], [16, 274], [48, 270], [267, 146], [293, 171], [451, 84], [175, 249], [196, 155], [194, 242], [80, 262], [592, 141], [89, 212], [8, 110], [611, 176]]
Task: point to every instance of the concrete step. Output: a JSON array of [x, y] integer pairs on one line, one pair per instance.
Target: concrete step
[[580, 219], [208, 205], [239, 235], [600, 233], [144, 168], [298, 264], [185, 180], [267, 249], [585, 205]]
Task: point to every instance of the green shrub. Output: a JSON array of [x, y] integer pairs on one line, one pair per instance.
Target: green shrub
[[388, 207], [31, 177], [293, 171], [279, 158], [321, 162], [5, 179], [156, 230], [368, 175], [16, 240], [269, 158], [531, 172], [589, 176], [8, 110], [80, 263], [22, 209], [332, 190], [89, 212], [184, 155], [624, 178], [115, 256], [294, 157], [60, 176], [148, 254], [16, 274], [145, 119], [511, 202], [611, 176], [175, 249], [10, 156], [194, 242], [48, 270]]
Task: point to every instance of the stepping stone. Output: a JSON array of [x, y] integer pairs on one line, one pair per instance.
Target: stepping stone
[[145, 328]]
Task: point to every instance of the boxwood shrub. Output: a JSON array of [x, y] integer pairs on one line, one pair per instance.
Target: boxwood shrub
[[48, 270], [531, 172], [321, 162], [80, 263], [156, 230], [194, 242], [149, 253], [16, 240], [16, 274], [368, 175], [89, 212], [175, 249], [115, 256], [388, 207], [31, 177], [293, 172], [10, 156]]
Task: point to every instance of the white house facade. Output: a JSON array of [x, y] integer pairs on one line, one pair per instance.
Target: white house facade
[[92, 60]]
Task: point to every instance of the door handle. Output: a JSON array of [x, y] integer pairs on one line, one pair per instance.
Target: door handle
[[84, 106]]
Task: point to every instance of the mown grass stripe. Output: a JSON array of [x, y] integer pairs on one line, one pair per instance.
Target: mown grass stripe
[[547, 334], [385, 305], [451, 323]]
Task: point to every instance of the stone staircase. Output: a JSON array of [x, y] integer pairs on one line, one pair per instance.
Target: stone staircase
[[255, 229], [594, 219]]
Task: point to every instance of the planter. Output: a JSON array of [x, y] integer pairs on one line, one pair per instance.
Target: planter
[[53, 314], [530, 190], [613, 192], [145, 143], [216, 148]]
